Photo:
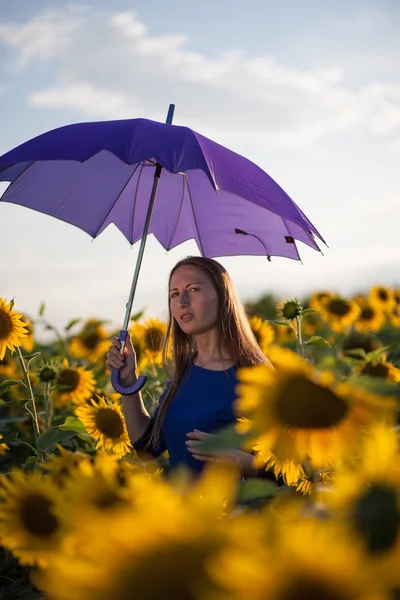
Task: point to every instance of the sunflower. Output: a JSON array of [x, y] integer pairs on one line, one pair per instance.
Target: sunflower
[[8, 368], [153, 333], [77, 384], [28, 342], [367, 497], [330, 567], [382, 297], [91, 343], [136, 333], [61, 467], [290, 471], [262, 331], [32, 525], [12, 328], [290, 309], [106, 424], [383, 370], [360, 341], [339, 312], [301, 413], [311, 323], [319, 298], [178, 542], [371, 317], [394, 313], [285, 334]]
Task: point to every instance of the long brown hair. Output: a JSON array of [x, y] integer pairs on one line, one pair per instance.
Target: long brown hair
[[234, 333]]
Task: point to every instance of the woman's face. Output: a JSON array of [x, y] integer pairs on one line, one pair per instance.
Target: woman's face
[[193, 300]]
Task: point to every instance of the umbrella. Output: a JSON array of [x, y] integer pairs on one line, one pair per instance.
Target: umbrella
[[150, 177]]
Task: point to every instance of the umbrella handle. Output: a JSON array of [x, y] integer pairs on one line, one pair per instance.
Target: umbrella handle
[[128, 390]]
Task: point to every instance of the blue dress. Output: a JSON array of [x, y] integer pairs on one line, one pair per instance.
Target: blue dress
[[203, 401]]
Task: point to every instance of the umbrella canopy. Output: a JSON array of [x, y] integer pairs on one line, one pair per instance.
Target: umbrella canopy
[[94, 174]]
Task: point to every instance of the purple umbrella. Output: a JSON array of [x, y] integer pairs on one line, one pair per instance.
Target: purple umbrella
[[94, 174]]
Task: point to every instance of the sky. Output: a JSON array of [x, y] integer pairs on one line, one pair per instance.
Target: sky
[[309, 91]]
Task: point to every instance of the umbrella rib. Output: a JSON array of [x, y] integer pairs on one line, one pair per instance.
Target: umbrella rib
[[134, 201], [116, 199], [179, 214], [194, 215], [15, 181]]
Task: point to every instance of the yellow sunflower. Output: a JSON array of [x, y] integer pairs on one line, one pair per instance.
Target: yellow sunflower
[[32, 525], [77, 384], [136, 333], [383, 370], [382, 297], [330, 567], [106, 424], [91, 343], [8, 368], [262, 331], [319, 298], [285, 334], [301, 413], [28, 342], [394, 313], [339, 313], [367, 498], [12, 328], [370, 318], [154, 331], [292, 472], [61, 467], [177, 543]]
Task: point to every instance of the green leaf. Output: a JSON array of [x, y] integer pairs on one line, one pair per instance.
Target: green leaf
[[48, 440], [30, 463], [376, 385], [12, 303], [318, 342], [10, 437], [137, 315], [225, 439], [376, 355], [42, 308], [7, 385], [286, 323], [71, 324], [308, 311], [357, 353], [254, 489], [73, 424]]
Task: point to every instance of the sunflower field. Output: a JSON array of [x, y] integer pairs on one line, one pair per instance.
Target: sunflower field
[[83, 516]]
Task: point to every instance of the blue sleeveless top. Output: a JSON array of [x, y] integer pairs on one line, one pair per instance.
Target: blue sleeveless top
[[203, 401]]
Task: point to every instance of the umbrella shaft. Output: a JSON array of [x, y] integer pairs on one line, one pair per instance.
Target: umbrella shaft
[[143, 240]]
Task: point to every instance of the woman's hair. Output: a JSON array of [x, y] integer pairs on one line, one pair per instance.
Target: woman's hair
[[235, 334]]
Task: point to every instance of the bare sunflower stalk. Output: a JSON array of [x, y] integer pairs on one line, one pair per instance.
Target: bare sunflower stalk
[[27, 383]]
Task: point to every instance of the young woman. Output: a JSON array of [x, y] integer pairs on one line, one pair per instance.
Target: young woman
[[210, 338]]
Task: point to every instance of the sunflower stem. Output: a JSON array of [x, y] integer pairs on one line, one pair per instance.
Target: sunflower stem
[[28, 386], [299, 337], [47, 408]]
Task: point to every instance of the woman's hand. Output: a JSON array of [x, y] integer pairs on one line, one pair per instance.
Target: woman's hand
[[125, 362], [239, 458]]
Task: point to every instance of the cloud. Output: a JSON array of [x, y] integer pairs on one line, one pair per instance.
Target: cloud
[[111, 66]]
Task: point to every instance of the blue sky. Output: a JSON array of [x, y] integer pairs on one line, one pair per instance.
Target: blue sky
[[308, 90]]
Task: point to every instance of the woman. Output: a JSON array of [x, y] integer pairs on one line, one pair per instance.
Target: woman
[[210, 337]]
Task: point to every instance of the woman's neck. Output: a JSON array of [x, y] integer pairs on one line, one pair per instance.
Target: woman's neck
[[209, 355]]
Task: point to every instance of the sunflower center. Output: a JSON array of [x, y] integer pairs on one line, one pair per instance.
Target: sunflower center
[[338, 307], [383, 295], [5, 325], [109, 423], [305, 405], [36, 516], [90, 339], [377, 518], [378, 370], [70, 378], [312, 590], [367, 314], [153, 338]]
